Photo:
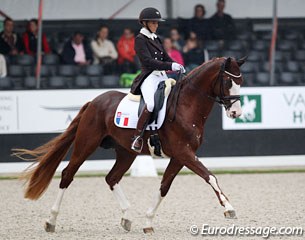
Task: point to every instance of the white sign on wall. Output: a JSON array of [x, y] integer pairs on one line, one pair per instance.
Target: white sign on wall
[[45, 111], [269, 108]]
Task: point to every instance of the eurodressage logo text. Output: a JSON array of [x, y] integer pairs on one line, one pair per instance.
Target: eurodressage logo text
[[251, 108]]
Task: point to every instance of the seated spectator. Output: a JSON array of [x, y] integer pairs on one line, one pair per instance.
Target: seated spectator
[[10, 42], [126, 52], [76, 51], [3, 71], [30, 39], [104, 51], [199, 24], [222, 24], [193, 54], [172, 51], [176, 38]]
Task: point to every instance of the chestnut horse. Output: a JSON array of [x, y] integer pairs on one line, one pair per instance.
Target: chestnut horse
[[190, 103]]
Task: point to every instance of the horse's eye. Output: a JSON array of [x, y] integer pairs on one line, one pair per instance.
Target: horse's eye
[[229, 83]]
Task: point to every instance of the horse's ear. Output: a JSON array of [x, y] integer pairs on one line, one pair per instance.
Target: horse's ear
[[242, 60], [228, 63]]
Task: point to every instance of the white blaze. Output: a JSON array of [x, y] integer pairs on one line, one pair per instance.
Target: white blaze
[[235, 110]]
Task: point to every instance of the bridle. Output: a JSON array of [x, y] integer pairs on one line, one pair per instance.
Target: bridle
[[225, 101]]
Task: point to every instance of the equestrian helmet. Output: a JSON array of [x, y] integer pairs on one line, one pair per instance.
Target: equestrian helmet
[[150, 14]]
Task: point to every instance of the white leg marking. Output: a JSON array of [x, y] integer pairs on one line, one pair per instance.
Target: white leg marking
[[214, 184], [56, 207], [121, 198], [150, 214]]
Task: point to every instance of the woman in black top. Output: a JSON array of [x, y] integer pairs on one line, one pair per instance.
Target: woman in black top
[[154, 61]]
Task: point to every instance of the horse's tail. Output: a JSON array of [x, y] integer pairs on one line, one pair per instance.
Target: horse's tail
[[48, 156]]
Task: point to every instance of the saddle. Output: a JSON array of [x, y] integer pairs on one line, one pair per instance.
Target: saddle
[[130, 107]]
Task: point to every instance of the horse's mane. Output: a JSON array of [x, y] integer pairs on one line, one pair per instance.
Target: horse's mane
[[199, 69]]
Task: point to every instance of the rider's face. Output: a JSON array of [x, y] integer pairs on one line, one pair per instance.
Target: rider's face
[[153, 25]]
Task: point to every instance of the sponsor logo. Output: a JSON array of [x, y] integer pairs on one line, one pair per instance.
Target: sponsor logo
[[251, 109]]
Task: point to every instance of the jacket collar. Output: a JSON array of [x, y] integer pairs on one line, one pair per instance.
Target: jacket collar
[[148, 34]]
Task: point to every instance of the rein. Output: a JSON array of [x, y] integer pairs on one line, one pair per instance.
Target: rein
[[221, 99]]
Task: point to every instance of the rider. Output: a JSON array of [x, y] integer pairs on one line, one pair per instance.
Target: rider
[[154, 62]]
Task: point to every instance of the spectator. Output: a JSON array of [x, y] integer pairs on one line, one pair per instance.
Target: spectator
[[193, 54], [199, 24], [126, 52], [222, 24], [3, 71], [76, 51], [10, 42], [30, 39], [177, 41], [172, 51], [104, 51]]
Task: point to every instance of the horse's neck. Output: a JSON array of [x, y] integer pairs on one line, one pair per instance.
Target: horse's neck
[[195, 93]]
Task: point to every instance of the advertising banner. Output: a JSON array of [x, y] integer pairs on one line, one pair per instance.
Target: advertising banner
[[269, 108], [41, 111]]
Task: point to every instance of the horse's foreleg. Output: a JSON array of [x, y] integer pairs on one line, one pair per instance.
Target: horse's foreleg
[[193, 163], [169, 175], [124, 159]]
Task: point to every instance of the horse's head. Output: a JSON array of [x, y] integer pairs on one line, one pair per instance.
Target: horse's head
[[227, 86]]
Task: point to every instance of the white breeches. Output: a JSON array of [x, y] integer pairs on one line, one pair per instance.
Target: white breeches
[[149, 87]]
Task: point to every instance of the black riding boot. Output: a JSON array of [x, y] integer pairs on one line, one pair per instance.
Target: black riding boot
[[137, 143]]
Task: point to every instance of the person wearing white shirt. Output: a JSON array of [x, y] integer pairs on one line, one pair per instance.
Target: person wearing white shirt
[[103, 49]]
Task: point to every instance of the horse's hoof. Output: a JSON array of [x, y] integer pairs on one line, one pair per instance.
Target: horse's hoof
[[230, 214], [126, 224], [49, 227], [148, 230]]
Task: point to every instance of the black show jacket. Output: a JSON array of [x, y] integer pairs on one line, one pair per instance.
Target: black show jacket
[[152, 56]]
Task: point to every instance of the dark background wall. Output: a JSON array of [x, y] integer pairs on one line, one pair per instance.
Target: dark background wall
[[217, 142]]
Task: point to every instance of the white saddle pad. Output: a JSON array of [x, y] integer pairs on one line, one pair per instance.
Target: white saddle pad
[[126, 115]]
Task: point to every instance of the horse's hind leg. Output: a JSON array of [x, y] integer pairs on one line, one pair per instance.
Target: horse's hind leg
[[168, 177], [83, 147], [124, 159]]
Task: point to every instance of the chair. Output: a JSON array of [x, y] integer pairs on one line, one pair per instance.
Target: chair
[[289, 78], [246, 36], [260, 45], [57, 82], [30, 82], [110, 81], [26, 60], [249, 79], [248, 67], [292, 66], [16, 72], [82, 82], [262, 78], [265, 66], [95, 73], [234, 54], [213, 54], [94, 70], [212, 45], [6, 83], [291, 35], [300, 55], [50, 59], [67, 70], [286, 45], [254, 56], [235, 45]]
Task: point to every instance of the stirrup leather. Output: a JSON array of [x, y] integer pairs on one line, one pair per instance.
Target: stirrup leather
[[137, 141]]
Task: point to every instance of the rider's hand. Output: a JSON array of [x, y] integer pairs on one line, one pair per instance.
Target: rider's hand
[[178, 67]]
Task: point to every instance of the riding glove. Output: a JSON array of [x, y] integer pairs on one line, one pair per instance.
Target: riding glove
[[178, 67]]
